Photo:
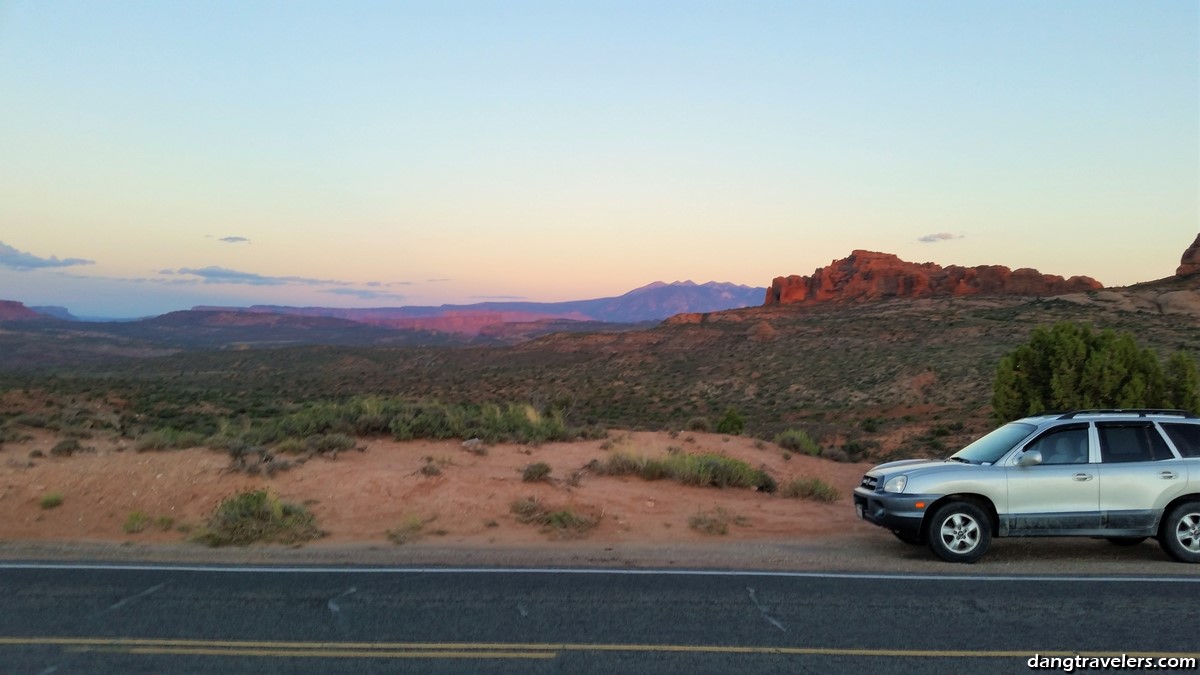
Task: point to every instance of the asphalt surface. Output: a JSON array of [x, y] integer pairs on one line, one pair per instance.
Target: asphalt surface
[[71, 618]]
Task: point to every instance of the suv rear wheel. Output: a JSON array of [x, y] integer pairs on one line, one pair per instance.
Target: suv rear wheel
[[1180, 535], [959, 532]]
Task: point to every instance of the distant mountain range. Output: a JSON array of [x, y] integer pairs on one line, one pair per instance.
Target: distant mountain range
[[654, 302], [51, 336]]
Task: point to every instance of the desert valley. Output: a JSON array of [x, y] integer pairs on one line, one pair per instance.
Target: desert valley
[[599, 421]]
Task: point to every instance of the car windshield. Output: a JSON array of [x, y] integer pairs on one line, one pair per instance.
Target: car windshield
[[992, 447]]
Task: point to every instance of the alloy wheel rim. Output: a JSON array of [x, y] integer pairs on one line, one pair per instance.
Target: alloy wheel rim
[[960, 533], [1187, 532]]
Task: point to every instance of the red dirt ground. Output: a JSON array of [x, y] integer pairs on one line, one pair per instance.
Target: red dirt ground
[[359, 496]]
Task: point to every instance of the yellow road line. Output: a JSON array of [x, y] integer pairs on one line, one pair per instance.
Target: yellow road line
[[503, 650], [323, 653]]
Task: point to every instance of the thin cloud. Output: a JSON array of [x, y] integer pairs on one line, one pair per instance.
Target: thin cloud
[[19, 260], [364, 294], [498, 297], [940, 236], [436, 281], [234, 240], [221, 275]]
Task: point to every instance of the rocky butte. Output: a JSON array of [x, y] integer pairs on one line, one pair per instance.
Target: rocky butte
[[1190, 263], [865, 276], [16, 311]]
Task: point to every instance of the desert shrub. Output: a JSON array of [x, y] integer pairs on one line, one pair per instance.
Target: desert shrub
[[14, 436], [65, 448], [731, 422], [835, 454], [329, 442], [527, 510], [535, 472], [168, 439], [698, 424], [135, 522], [563, 523], [689, 469], [714, 522], [258, 516], [35, 420], [810, 488], [407, 531], [51, 500], [291, 446], [797, 440]]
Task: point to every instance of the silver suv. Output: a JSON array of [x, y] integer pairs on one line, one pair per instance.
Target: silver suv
[[1124, 475]]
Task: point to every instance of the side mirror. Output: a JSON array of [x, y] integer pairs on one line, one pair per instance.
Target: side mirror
[[1030, 458]]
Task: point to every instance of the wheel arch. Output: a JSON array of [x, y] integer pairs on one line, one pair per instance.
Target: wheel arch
[[978, 500], [1162, 515]]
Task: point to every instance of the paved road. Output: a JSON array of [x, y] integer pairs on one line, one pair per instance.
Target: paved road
[[134, 619]]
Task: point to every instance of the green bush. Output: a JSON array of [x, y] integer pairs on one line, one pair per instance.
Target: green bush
[[731, 423], [258, 516], [51, 500], [810, 488], [798, 440], [1069, 366]]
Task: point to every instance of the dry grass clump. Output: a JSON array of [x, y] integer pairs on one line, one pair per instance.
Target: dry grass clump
[[715, 522], [563, 523], [814, 489], [258, 516], [703, 469]]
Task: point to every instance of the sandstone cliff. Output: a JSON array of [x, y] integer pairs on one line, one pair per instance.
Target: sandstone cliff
[[11, 310], [1190, 263], [865, 276]]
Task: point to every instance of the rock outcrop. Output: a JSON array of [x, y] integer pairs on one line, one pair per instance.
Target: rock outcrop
[[10, 310], [1190, 263], [866, 276]]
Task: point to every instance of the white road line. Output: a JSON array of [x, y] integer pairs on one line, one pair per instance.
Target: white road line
[[237, 569]]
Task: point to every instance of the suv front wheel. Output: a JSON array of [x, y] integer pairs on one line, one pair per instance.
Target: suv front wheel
[[959, 532], [1180, 534]]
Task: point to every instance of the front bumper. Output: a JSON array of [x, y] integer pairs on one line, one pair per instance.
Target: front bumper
[[893, 511]]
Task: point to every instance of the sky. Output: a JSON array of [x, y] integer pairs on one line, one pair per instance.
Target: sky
[[156, 155]]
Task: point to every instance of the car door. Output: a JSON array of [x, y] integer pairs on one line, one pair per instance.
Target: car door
[[1139, 475], [1060, 495]]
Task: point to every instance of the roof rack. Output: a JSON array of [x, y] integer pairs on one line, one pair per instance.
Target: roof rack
[[1140, 412]]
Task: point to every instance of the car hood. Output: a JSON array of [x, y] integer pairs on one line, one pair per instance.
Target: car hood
[[907, 465]]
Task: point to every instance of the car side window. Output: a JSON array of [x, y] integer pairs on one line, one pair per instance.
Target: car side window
[[1186, 438], [1063, 445], [1131, 442]]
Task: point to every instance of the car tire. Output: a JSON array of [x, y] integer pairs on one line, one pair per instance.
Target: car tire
[[1180, 533], [1126, 541], [959, 532], [914, 539]]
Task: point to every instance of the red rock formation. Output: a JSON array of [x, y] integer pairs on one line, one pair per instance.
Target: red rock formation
[[1190, 263], [14, 311], [865, 276]]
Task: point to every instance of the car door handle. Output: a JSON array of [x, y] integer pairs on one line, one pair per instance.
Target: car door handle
[[1168, 475], [1082, 476]]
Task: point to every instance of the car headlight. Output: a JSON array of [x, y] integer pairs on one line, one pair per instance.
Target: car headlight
[[895, 484]]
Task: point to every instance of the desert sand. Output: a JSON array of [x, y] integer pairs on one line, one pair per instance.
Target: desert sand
[[358, 496]]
